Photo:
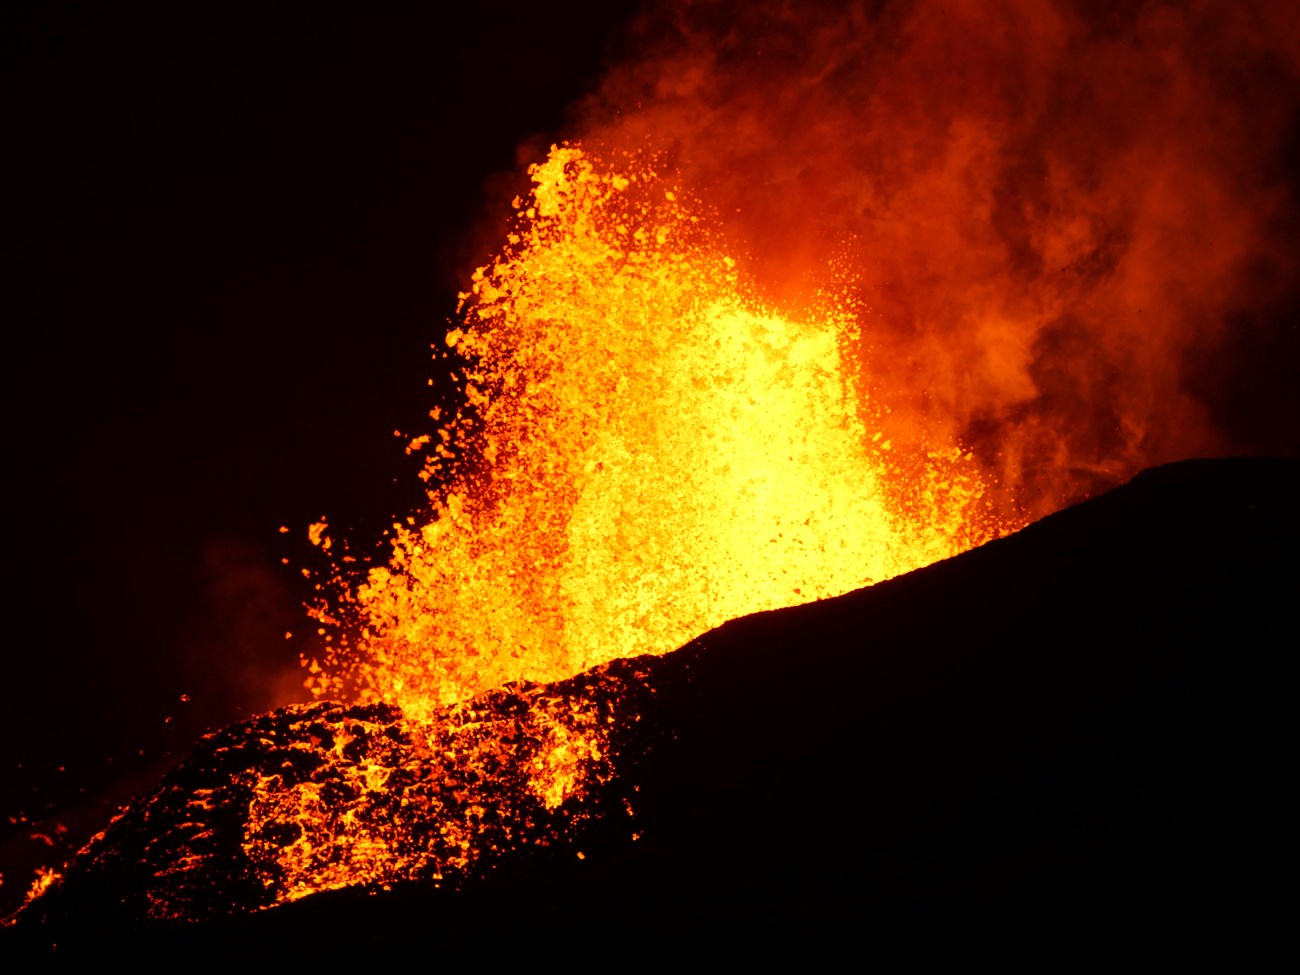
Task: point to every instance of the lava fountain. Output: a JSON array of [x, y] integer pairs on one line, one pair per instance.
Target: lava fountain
[[646, 451]]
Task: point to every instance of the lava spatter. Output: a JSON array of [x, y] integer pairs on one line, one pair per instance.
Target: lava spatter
[[646, 450]]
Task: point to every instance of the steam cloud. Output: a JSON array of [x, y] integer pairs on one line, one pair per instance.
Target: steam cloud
[[1071, 226]]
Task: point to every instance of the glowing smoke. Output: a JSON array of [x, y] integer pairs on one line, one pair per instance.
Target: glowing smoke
[[1063, 217]]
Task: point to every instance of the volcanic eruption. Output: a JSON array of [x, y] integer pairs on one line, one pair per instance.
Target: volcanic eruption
[[636, 426], [808, 300]]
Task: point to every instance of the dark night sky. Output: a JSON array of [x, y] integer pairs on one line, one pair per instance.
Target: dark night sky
[[232, 232]]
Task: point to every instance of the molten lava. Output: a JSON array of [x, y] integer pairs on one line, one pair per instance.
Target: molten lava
[[647, 451], [367, 795]]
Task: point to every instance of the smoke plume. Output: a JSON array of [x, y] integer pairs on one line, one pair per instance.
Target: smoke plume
[[1069, 227]]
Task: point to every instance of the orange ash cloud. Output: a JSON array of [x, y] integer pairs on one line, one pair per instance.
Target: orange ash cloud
[[1057, 212]]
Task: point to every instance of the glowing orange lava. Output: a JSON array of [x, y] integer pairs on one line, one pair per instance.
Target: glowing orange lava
[[647, 451]]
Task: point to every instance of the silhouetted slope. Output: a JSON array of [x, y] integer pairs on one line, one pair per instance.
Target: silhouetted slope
[[1078, 726]]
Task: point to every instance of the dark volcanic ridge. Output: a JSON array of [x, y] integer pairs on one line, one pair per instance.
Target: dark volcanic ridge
[[1078, 722]]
